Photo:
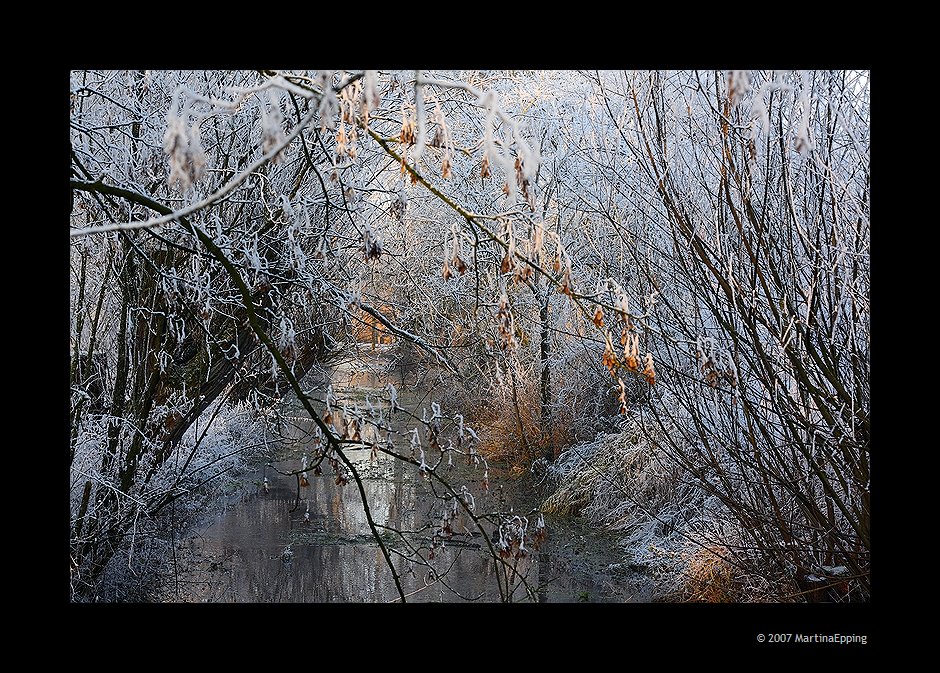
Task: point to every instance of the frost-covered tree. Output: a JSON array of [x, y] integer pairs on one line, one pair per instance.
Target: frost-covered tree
[[233, 230], [562, 249], [743, 201]]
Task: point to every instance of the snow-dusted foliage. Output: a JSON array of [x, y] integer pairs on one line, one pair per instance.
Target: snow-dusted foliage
[[669, 525], [557, 250], [754, 245], [230, 232], [203, 467]]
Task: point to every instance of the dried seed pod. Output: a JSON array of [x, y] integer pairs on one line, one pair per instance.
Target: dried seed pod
[[506, 265], [610, 359], [341, 140], [407, 135], [566, 287], [631, 352], [371, 244], [648, 371], [485, 167]]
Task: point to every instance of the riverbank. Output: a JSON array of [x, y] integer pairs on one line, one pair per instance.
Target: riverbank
[[270, 548], [283, 542]]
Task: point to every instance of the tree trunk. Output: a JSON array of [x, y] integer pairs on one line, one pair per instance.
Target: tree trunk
[[544, 353]]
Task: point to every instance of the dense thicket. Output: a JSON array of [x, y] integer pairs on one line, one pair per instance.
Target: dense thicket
[[681, 258]]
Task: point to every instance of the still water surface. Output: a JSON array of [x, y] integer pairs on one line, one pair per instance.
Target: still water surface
[[313, 544]]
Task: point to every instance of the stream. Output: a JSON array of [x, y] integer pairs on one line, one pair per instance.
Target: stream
[[287, 544]]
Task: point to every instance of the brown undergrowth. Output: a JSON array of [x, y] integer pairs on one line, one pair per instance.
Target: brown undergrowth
[[671, 529]]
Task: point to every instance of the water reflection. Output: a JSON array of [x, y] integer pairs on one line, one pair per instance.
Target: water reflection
[[314, 544]]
